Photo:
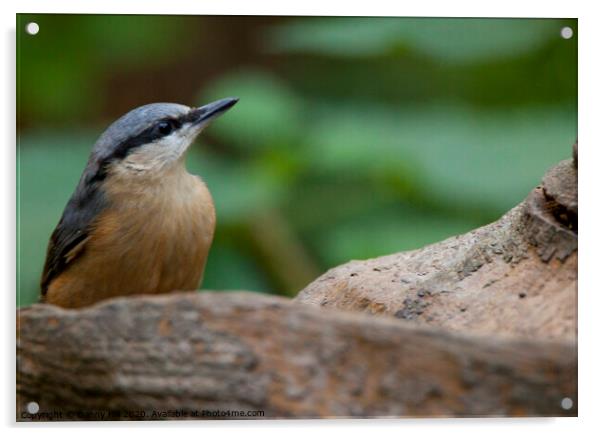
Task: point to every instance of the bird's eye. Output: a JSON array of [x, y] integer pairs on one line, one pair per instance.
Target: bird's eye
[[164, 127]]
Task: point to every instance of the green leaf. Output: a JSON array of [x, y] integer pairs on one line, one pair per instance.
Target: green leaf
[[238, 188], [267, 116], [454, 40], [487, 159], [382, 231], [49, 166], [230, 269]]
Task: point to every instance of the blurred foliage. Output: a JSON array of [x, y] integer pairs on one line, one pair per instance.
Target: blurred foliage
[[452, 40], [71, 55], [354, 137]]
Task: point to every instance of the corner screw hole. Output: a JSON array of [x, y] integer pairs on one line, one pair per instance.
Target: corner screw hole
[[566, 403], [566, 32], [32, 28], [33, 407]]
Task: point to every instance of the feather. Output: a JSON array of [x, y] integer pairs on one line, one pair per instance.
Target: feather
[[69, 238]]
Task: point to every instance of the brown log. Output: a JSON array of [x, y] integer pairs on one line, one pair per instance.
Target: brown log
[[480, 324], [154, 357], [516, 277]]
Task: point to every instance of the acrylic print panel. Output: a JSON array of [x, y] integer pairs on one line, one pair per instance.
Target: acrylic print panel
[[392, 199]]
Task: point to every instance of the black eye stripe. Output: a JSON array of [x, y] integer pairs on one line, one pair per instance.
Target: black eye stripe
[[164, 127], [172, 122], [148, 135], [190, 117]]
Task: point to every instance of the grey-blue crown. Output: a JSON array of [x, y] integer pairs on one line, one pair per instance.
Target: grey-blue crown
[[135, 122]]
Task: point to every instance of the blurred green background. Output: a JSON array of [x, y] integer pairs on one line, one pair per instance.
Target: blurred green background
[[353, 138]]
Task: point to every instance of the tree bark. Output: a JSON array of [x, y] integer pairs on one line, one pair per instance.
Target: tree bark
[[147, 357], [482, 324], [516, 277]]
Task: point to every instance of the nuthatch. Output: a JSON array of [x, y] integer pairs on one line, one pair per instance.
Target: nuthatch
[[138, 222]]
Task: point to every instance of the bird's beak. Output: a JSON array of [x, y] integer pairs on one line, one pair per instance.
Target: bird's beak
[[204, 114]]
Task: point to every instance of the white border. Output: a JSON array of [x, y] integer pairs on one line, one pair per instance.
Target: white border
[[590, 301], [509, 8]]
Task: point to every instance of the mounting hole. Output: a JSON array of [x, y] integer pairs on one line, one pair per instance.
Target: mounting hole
[[33, 407], [566, 403], [566, 32], [32, 28]]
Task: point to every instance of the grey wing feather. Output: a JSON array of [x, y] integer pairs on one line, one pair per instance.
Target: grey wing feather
[[69, 237], [60, 252]]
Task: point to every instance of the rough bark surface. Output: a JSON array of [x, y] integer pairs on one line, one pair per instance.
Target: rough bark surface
[[148, 357], [516, 277], [480, 324]]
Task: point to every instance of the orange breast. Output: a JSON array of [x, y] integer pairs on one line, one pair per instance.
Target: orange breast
[[147, 245]]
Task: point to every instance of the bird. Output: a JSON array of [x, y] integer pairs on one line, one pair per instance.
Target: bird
[[138, 222]]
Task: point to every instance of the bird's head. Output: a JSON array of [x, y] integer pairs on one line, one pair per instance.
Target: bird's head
[[151, 139]]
